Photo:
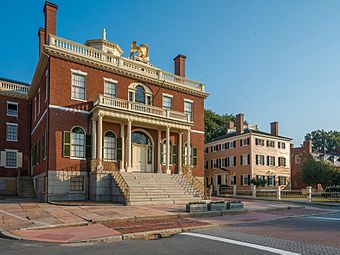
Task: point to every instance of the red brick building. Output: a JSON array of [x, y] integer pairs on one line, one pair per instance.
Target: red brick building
[[90, 112]]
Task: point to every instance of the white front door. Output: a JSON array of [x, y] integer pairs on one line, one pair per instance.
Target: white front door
[[139, 157]]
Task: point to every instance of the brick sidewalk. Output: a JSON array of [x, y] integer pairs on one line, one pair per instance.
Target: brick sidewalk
[[17, 217]]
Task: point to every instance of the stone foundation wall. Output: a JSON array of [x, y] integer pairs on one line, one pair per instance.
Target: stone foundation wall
[[8, 186]]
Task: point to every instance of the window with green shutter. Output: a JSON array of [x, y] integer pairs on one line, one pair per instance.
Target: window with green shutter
[[119, 148], [66, 144], [162, 153]]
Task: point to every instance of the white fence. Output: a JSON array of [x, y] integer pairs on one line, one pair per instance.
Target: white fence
[[307, 194]]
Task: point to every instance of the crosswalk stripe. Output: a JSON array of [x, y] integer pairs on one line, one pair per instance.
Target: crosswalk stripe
[[250, 245]]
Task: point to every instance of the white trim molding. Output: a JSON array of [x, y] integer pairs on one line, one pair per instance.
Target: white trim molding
[[167, 95], [78, 72], [67, 109], [188, 100], [197, 131], [110, 80]]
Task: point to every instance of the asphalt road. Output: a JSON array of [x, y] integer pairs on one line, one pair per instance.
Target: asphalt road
[[303, 235]]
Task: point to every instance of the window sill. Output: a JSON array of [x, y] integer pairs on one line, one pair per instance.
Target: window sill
[[78, 99], [77, 158], [8, 140], [110, 160], [10, 167], [10, 115]]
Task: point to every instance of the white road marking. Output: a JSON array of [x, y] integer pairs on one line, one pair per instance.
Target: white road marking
[[250, 245], [324, 218]]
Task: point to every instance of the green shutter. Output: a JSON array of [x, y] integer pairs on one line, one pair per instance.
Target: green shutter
[[194, 156], [66, 144], [119, 142], [174, 154], [88, 151]]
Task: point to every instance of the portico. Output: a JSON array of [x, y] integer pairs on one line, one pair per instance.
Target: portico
[[150, 139]]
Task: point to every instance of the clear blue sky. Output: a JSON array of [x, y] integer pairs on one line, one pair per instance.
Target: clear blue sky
[[271, 60]]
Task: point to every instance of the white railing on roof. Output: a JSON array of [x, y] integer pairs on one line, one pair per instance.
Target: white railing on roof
[[125, 63], [151, 110], [13, 87]]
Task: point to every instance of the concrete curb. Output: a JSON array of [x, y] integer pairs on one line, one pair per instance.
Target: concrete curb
[[9, 235]]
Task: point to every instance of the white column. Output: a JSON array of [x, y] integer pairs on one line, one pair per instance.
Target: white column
[[179, 155], [188, 148], [94, 139], [122, 135], [159, 166], [168, 150], [100, 138], [129, 148]]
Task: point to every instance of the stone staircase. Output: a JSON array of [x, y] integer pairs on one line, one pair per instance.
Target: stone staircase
[[26, 188], [156, 189]]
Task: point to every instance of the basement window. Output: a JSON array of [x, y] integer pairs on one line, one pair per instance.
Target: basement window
[[77, 183]]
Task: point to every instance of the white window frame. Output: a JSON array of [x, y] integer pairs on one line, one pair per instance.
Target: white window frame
[[78, 72], [105, 148], [16, 158], [215, 163], [231, 161], [15, 103], [84, 183], [188, 101], [223, 162], [297, 159], [167, 96], [244, 159], [284, 161], [110, 81], [271, 161], [245, 183], [72, 144], [231, 180], [11, 124], [271, 180]]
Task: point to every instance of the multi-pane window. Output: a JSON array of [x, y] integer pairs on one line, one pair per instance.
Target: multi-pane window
[[232, 145], [215, 163], [109, 146], [281, 145], [271, 180], [282, 161], [78, 143], [245, 142], [282, 180], [109, 89], [11, 158], [188, 110], [78, 86], [222, 146], [270, 161], [270, 143], [164, 152], [244, 159], [12, 109], [259, 142], [222, 162], [297, 159], [232, 161], [140, 95], [259, 159], [232, 180], [11, 132], [167, 102], [245, 179], [77, 183]]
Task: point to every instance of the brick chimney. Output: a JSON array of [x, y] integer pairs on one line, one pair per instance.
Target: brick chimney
[[230, 125], [307, 144], [274, 128], [41, 36], [179, 62], [239, 123], [50, 11]]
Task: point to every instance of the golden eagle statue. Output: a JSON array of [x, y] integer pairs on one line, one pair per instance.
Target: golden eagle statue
[[142, 52]]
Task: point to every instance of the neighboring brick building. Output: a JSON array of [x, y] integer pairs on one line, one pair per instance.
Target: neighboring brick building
[[94, 111], [245, 153], [298, 154]]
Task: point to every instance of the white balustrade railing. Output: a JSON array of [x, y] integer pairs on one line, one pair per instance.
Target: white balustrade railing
[[118, 103], [13, 87], [122, 62]]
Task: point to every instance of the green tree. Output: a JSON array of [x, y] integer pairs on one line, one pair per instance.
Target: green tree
[[215, 124], [258, 182], [317, 172], [324, 141]]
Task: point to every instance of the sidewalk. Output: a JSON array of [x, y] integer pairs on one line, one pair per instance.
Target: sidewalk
[[30, 220]]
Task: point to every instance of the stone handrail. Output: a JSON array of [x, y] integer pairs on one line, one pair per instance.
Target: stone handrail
[[13, 87], [195, 183], [123, 186], [125, 63], [123, 104]]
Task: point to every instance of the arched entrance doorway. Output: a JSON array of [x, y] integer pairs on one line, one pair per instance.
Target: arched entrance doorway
[[142, 152]]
